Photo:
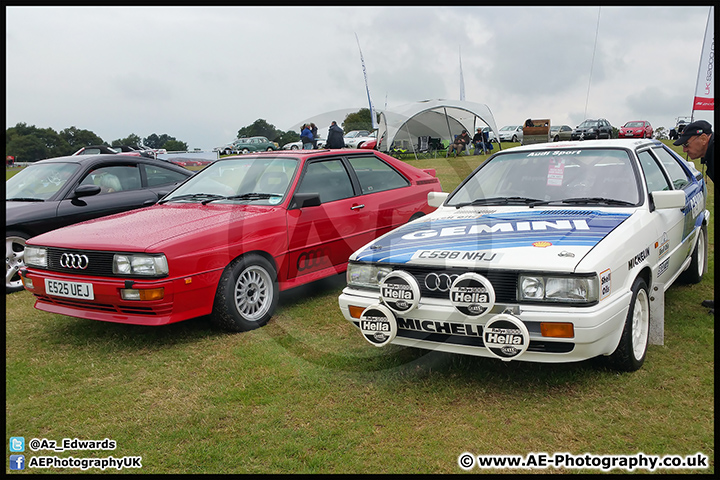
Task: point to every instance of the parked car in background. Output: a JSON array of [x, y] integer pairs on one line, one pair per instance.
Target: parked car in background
[[229, 240], [116, 150], [369, 145], [178, 159], [681, 123], [545, 253], [56, 192], [355, 138], [636, 129], [249, 144], [299, 145], [592, 129], [511, 133], [560, 132]]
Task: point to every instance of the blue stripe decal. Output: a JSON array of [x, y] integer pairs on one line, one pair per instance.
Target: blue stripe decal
[[493, 232]]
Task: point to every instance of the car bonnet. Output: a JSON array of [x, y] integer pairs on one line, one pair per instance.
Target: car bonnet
[[155, 227], [523, 239]]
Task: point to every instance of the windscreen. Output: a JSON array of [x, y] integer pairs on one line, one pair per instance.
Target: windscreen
[[563, 176]]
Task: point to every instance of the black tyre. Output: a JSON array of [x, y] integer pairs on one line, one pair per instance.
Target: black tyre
[[632, 349], [14, 260], [247, 294], [698, 260]]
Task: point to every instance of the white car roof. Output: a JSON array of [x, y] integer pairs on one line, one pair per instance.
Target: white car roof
[[613, 142]]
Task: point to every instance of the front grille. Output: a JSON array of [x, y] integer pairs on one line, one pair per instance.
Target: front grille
[[504, 282], [99, 263]]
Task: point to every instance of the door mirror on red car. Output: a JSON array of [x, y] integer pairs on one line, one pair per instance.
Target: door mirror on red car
[[301, 200]]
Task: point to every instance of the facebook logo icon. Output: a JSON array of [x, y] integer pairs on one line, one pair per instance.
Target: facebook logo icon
[[17, 462]]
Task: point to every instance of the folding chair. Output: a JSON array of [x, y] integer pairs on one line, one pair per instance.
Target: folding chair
[[435, 144], [423, 145]]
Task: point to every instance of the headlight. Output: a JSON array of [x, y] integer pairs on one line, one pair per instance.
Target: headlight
[[35, 256], [558, 289], [366, 275], [140, 264]]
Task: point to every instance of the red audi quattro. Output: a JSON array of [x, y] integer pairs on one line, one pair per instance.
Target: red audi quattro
[[228, 240]]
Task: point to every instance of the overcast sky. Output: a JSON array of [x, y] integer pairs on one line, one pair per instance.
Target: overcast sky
[[199, 74]]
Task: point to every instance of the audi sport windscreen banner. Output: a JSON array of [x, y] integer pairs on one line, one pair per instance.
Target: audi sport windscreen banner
[[705, 90]]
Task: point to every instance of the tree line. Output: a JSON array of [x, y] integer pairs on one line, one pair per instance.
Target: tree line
[[28, 143]]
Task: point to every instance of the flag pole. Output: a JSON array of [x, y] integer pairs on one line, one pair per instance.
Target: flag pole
[[372, 109]]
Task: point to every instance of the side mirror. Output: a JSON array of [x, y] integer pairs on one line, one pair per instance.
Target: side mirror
[[86, 191], [435, 199], [301, 200], [665, 199]]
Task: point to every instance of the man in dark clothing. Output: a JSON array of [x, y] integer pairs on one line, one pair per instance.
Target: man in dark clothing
[[478, 141], [460, 143], [698, 141], [335, 137]]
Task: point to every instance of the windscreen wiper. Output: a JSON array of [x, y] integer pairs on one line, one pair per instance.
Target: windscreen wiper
[[589, 200], [245, 196], [25, 199], [503, 201], [204, 197]]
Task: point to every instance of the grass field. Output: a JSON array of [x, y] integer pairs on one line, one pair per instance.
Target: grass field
[[306, 394]]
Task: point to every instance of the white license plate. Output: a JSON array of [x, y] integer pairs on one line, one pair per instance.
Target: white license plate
[[82, 291]]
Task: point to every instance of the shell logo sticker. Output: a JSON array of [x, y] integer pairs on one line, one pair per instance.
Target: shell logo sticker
[[506, 337], [542, 244], [378, 325], [400, 291], [472, 294]]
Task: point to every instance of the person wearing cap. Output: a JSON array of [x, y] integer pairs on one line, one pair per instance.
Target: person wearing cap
[[461, 141], [698, 141], [478, 141]]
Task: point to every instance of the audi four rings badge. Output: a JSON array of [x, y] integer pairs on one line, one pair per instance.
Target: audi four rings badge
[[439, 282], [74, 260]]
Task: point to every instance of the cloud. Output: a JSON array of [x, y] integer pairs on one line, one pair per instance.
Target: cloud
[[200, 74]]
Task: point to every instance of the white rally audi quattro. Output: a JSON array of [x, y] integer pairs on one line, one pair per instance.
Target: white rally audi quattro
[[555, 252]]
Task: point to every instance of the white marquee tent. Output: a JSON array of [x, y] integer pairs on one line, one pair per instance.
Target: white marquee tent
[[434, 118]]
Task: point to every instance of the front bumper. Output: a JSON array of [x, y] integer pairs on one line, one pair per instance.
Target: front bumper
[[436, 325], [183, 298], [631, 135]]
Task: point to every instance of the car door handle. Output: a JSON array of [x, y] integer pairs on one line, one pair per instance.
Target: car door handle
[[357, 207]]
